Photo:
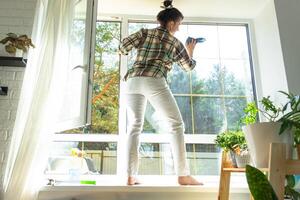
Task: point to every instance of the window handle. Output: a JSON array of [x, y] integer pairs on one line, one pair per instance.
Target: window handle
[[80, 66]]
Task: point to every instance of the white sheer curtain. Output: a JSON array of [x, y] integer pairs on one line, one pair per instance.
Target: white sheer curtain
[[41, 98]]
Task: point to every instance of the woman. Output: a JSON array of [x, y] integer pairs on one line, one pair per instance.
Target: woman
[[157, 50]]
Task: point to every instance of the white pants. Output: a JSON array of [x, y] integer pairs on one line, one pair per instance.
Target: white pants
[[137, 91]]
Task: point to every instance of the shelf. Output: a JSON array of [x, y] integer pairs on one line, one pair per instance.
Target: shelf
[[242, 169], [12, 61]]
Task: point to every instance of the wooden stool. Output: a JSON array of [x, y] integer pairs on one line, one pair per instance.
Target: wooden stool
[[279, 166], [226, 169]]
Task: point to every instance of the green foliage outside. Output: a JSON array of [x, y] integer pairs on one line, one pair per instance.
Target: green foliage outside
[[105, 101]]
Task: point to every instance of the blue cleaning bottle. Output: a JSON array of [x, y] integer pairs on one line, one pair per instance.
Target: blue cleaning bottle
[[198, 40]]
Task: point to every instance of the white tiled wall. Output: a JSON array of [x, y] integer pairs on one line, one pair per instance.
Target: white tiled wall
[[12, 78], [15, 16]]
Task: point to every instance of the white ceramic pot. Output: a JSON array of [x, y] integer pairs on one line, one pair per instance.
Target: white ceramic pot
[[242, 160], [259, 136], [19, 52]]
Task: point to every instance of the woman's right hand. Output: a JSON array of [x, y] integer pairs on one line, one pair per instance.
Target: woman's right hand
[[190, 47]]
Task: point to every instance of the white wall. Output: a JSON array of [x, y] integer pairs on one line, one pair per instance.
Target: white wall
[[189, 8], [269, 69], [289, 28], [15, 16], [11, 77]]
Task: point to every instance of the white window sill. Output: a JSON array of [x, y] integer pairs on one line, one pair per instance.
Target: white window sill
[[149, 183]]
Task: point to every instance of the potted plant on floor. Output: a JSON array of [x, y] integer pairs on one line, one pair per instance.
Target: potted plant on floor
[[234, 142], [281, 122]]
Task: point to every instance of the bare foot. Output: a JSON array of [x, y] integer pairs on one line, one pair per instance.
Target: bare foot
[[132, 181], [188, 180]]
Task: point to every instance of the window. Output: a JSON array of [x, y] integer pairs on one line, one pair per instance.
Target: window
[[211, 99], [104, 108]]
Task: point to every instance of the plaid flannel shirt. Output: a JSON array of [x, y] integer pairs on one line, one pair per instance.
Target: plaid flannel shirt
[[157, 50]]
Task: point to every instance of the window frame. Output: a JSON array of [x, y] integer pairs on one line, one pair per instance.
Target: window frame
[[148, 138]]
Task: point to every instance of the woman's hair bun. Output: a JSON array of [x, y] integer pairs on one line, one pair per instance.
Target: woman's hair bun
[[169, 13], [167, 4]]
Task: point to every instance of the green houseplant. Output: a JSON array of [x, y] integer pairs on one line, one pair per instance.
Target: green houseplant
[[291, 110], [291, 119], [269, 110], [261, 189], [258, 184], [234, 142], [281, 119], [231, 140], [13, 42]]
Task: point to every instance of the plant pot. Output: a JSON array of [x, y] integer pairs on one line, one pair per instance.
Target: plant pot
[[298, 150], [19, 52], [259, 136], [228, 160], [233, 159], [3, 51], [243, 159]]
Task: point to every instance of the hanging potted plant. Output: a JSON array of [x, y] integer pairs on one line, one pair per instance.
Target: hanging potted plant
[[17, 45], [259, 135]]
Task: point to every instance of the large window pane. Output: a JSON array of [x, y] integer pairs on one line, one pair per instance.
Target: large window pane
[[154, 123], [233, 42], [208, 49], [211, 98], [208, 115], [207, 78], [156, 159], [105, 100], [234, 112], [179, 81], [184, 104], [237, 77]]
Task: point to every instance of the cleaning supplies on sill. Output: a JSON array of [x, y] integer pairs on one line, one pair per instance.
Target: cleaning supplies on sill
[[88, 182]]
